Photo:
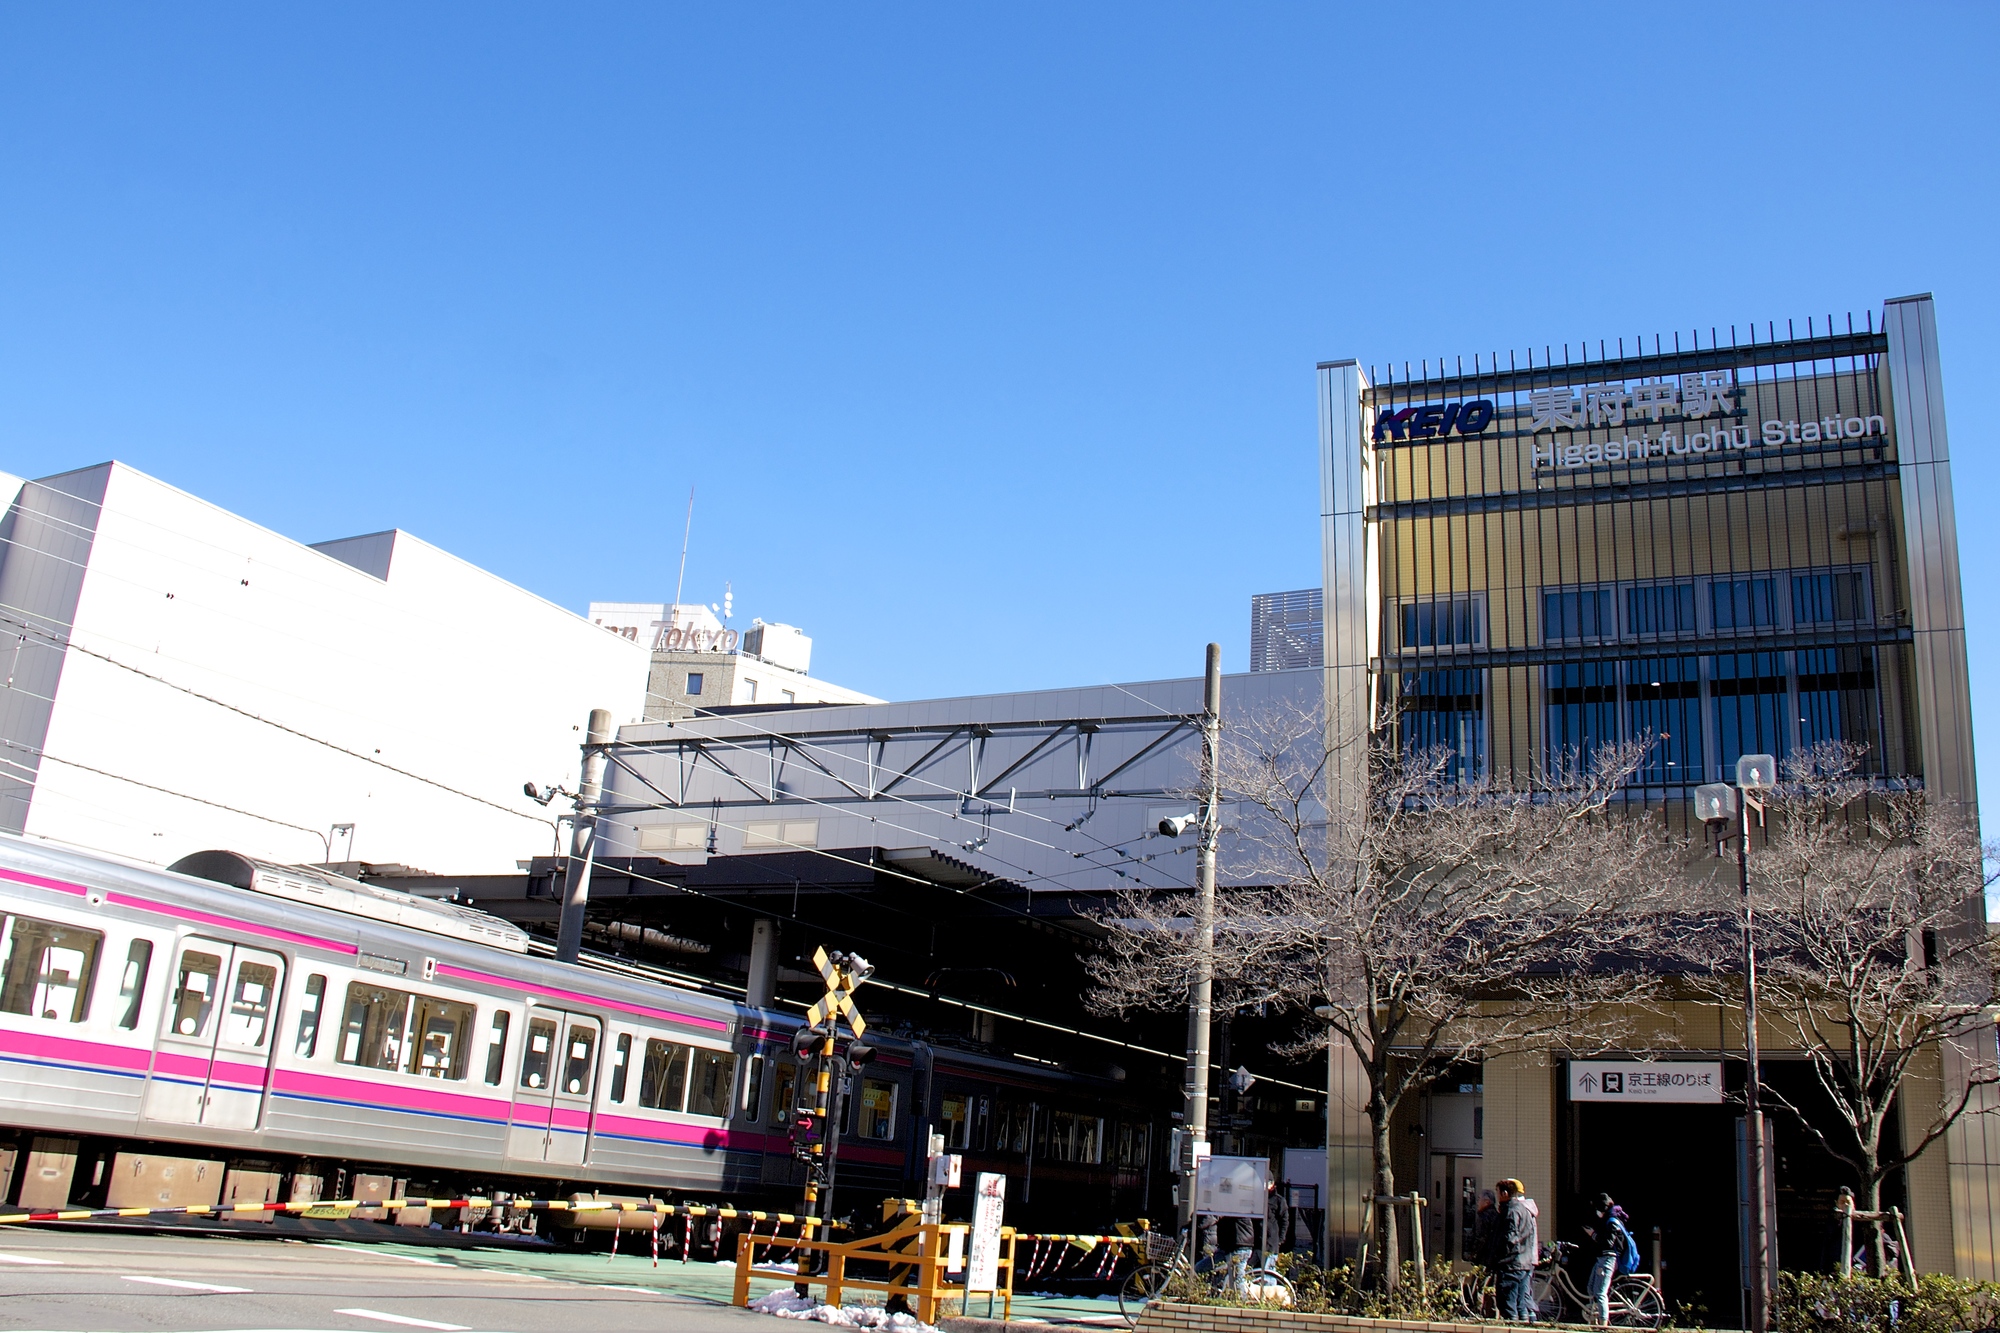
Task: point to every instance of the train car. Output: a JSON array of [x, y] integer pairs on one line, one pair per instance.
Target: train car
[[299, 1026]]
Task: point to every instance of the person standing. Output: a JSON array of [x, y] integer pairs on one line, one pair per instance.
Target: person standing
[[1516, 1250], [1609, 1244]]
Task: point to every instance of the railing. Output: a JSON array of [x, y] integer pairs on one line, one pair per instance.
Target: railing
[[919, 1260]]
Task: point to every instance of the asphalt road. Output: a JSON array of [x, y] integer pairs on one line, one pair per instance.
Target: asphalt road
[[129, 1282]]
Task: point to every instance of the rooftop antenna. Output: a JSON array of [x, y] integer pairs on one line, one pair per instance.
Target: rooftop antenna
[[681, 582]]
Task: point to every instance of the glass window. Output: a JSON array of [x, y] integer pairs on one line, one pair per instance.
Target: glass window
[[132, 982], [315, 997], [621, 1057], [1132, 1144], [1010, 1127], [878, 1109], [1442, 624], [781, 833], [1446, 710], [580, 1059], [663, 1078], [1663, 608], [1583, 613], [784, 1089], [1073, 1137], [694, 682], [442, 1033], [377, 1023], [789, 696], [1663, 701], [753, 1090], [751, 691], [1749, 694], [248, 1021], [496, 1048], [48, 970], [1821, 599], [714, 1078], [194, 992], [1742, 604], [538, 1058], [1837, 698], [955, 1120], [1582, 711]]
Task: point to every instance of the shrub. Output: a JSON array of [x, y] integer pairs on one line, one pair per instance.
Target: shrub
[[1818, 1303]]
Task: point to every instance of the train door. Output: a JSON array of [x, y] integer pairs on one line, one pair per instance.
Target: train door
[[552, 1098], [212, 1065]]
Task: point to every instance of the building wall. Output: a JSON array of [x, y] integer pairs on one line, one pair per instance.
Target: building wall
[[1520, 594], [734, 680], [190, 664]]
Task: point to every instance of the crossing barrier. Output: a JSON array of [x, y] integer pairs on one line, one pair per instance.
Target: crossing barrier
[[247, 1211]]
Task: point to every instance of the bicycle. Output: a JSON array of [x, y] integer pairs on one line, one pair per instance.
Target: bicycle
[[1238, 1273], [1552, 1293]]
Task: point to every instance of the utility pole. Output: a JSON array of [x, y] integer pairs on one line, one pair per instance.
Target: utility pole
[[1202, 995], [1760, 1231], [1714, 803], [583, 837]]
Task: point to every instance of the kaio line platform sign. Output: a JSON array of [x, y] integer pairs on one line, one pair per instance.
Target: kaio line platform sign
[[1646, 1082]]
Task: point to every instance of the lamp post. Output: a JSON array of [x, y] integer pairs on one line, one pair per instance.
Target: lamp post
[[1715, 803]]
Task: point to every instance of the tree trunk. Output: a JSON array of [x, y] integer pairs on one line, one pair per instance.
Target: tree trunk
[[1871, 1202], [1390, 1263]]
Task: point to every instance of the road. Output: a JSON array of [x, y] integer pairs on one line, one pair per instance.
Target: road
[[135, 1282]]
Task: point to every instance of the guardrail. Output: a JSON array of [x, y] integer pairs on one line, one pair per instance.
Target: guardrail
[[918, 1256]]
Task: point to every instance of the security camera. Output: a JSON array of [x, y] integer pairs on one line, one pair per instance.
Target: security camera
[[1175, 825]]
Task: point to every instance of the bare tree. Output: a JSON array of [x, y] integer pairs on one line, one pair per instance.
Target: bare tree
[[1871, 948], [1422, 920]]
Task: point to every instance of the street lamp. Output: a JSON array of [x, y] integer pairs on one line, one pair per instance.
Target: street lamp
[[1715, 803]]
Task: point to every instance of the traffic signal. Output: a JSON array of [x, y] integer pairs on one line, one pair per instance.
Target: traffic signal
[[859, 1053], [807, 1129], [807, 1042]]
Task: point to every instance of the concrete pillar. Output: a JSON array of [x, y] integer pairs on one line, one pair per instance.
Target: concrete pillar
[[763, 963]]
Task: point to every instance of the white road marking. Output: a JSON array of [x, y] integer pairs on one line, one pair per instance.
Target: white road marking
[[25, 1259], [188, 1286], [405, 1320], [643, 1291]]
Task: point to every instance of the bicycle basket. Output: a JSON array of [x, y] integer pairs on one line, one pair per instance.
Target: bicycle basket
[[1160, 1247]]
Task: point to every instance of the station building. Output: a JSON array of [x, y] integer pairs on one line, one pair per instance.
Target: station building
[[1733, 542]]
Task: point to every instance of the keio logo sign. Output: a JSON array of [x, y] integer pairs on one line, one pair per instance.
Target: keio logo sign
[[1434, 421]]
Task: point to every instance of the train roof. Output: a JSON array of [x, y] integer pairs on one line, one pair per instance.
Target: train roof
[[323, 888]]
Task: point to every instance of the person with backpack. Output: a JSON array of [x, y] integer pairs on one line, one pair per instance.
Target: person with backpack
[[1613, 1253]]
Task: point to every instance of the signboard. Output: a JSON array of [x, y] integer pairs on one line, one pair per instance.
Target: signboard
[[989, 1201], [1232, 1186], [1646, 1082]]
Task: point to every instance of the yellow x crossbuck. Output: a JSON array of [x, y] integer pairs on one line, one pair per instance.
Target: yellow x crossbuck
[[839, 997]]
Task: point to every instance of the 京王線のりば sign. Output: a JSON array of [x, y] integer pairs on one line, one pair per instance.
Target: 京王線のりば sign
[[1645, 1081]]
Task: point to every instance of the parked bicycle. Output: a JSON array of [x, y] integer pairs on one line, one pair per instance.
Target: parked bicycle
[[1635, 1297], [1239, 1273]]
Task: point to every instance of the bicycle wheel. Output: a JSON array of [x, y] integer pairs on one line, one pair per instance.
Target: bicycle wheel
[[1636, 1303], [1475, 1295], [1142, 1288]]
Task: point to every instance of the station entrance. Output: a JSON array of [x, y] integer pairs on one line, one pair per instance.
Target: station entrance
[[1678, 1171]]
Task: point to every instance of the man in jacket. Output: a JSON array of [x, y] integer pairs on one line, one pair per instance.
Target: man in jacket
[[1607, 1247], [1517, 1248]]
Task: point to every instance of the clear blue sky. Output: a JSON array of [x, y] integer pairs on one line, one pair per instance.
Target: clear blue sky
[[986, 335]]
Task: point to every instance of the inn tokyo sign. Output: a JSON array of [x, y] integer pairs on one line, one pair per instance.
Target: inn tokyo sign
[[1665, 418]]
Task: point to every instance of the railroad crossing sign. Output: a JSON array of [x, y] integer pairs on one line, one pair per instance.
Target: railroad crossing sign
[[844, 973]]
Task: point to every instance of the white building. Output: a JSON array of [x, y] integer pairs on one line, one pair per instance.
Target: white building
[[179, 678], [700, 663]]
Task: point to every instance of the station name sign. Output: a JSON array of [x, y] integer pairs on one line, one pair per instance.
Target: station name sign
[[1650, 1082]]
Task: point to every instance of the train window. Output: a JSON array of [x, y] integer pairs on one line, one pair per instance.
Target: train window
[[248, 1019], [784, 1089], [955, 1121], [441, 1032], [1132, 1146], [1071, 1137], [48, 970], [132, 982], [194, 992], [315, 999], [663, 1079], [878, 1109], [496, 1053], [618, 1063], [714, 1079], [378, 1021], [1010, 1127], [581, 1060], [538, 1059], [753, 1090]]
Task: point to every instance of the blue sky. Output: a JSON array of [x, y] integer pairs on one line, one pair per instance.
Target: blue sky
[[985, 335]]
